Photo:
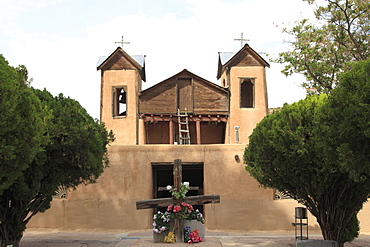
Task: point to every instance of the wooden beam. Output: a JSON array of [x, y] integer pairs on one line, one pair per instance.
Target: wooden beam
[[190, 188], [201, 200], [154, 203], [164, 202], [171, 163], [192, 118], [177, 174]]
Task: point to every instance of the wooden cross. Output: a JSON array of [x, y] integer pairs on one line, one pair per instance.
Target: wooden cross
[[122, 42], [241, 40], [164, 202]]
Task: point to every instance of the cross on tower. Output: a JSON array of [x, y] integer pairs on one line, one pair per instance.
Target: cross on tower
[[122, 42], [164, 202], [241, 40]]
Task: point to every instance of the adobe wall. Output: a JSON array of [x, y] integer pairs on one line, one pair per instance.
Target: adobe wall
[[131, 80], [110, 203]]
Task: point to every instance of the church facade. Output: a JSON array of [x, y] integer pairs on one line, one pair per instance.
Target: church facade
[[183, 117]]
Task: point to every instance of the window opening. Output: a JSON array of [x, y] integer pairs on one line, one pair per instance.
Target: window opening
[[281, 195], [247, 94], [61, 192], [119, 101]]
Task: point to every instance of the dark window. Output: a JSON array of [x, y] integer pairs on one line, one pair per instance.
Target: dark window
[[163, 176], [247, 94], [119, 101]]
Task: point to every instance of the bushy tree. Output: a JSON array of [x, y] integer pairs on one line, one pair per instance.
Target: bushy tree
[[21, 123], [322, 50], [76, 153], [347, 119], [316, 150]]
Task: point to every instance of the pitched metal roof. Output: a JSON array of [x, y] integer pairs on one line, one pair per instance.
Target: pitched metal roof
[[101, 60], [226, 56]]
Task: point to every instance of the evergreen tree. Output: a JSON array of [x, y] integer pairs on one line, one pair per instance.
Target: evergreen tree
[[21, 124], [74, 153], [317, 151]]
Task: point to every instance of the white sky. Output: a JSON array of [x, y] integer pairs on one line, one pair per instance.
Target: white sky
[[60, 41]]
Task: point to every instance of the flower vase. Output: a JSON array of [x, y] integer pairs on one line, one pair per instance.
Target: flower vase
[[159, 237]]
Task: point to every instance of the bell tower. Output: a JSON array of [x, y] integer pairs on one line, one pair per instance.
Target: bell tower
[[244, 74], [121, 79]]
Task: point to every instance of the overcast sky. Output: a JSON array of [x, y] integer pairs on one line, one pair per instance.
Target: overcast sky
[[60, 41]]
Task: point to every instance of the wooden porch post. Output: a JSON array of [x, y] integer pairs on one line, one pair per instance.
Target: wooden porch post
[[198, 131], [171, 131]]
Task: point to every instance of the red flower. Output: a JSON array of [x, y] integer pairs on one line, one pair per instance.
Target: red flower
[[176, 209], [169, 208], [194, 233], [194, 236], [190, 207]]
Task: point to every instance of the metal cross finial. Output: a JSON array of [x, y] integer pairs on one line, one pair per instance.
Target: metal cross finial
[[122, 42], [241, 40]]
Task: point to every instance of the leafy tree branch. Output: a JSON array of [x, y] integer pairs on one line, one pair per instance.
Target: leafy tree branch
[[323, 50]]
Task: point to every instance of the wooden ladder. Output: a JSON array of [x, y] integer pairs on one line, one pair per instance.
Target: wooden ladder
[[184, 134]]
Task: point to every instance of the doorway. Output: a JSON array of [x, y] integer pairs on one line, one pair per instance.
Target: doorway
[[192, 172]]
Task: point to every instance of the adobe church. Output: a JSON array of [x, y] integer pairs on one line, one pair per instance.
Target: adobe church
[[182, 117]]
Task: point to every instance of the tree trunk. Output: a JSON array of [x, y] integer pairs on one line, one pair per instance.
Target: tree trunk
[[337, 208], [6, 241], [329, 235], [338, 225], [10, 236]]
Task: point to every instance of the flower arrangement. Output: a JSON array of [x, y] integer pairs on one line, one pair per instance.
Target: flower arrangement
[[179, 210], [191, 236], [196, 215], [161, 221], [170, 238], [183, 211]]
